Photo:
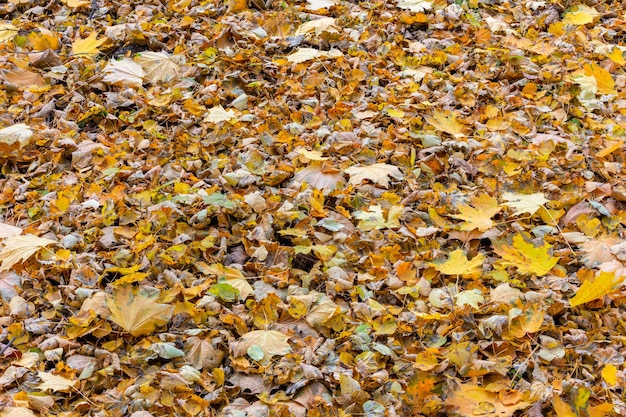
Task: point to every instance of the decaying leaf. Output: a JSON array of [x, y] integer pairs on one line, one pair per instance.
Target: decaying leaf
[[137, 310]]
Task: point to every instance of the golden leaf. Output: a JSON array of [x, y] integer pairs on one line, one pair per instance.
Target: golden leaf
[[580, 15], [526, 257], [479, 214], [137, 310], [458, 264], [604, 79], [605, 283], [447, 123], [88, 46], [609, 374]]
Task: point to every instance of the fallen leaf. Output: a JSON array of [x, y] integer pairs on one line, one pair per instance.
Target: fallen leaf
[[321, 177], [321, 25], [374, 219], [415, 5], [580, 15], [458, 264], [18, 133], [137, 310], [89, 45], [525, 203], [609, 374], [124, 72], [376, 173], [270, 342], [469, 297], [603, 284], [526, 257], [7, 32], [307, 54], [478, 215], [16, 249], [55, 382], [158, 66], [471, 400], [446, 122], [218, 114]]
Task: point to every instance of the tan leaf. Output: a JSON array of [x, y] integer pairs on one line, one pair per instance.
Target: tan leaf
[[23, 78], [201, 353], [159, 66], [324, 24], [376, 173], [124, 72], [17, 412], [55, 382], [137, 310], [271, 342], [17, 249]]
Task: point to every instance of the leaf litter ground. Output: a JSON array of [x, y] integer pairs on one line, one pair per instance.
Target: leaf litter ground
[[315, 208]]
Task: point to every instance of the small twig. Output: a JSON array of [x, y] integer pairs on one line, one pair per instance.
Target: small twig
[[8, 345]]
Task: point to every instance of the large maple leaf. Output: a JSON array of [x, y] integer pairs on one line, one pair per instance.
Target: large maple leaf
[[526, 257], [605, 283], [478, 215], [17, 249], [137, 310]]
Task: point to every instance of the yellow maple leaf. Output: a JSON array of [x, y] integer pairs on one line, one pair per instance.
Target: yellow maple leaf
[[447, 123], [7, 32], [458, 264], [137, 310], [604, 79], [605, 283], [526, 257], [45, 39], [89, 45], [478, 215], [580, 15]]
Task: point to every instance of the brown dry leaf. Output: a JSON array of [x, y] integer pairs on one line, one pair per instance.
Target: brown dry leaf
[[472, 400], [22, 78], [377, 173], [137, 311], [16, 249]]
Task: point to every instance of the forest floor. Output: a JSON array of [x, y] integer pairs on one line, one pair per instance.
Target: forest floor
[[320, 207]]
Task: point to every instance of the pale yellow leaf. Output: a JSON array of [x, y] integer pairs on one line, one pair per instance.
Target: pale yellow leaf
[[374, 219], [17, 133], [525, 203], [124, 72], [158, 66], [415, 5], [320, 4], [77, 3], [16, 249], [218, 114], [376, 173], [7, 32], [304, 54], [469, 297], [324, 24], [55, 382], [137, 310], [7, 230], [89, 45], [321, 177], [17, 412]]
